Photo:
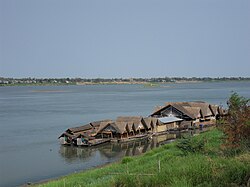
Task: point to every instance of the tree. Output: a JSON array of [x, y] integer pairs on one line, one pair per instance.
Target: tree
[[237, 128]]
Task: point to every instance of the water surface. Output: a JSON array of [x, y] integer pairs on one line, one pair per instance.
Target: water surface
[[31, 119]]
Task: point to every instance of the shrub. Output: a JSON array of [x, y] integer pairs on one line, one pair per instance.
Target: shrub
[[126, 160], [190, 145], [237, 127]]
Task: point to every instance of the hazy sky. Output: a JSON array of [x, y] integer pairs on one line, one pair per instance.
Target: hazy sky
[[124, 38]]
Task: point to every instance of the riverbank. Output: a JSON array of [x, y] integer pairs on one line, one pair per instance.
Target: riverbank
[[196, 161], [145, 83]]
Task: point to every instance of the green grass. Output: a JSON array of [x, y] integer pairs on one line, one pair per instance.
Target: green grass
[[206, 167]]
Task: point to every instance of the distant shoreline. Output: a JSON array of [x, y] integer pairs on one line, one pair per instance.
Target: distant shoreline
[[147, 84]]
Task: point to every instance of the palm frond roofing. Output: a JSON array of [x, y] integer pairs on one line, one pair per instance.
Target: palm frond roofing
[[119, 127], [191, 109], [80, 128], [88, 126], [136, 120]]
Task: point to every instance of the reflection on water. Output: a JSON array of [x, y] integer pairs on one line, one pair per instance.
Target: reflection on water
[[115, 151], [73, 154]]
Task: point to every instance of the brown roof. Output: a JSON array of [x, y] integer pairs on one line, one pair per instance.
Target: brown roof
[[155, 121], [66, 134], [79, 134], [121, 126], [97, 123], [205, 107], [152, 120], [137, 121], [148, 121], [87, 127], [130, 126], [80, 128], [180, 107], [103, 125], [194, 111], [158, 108], [191, 109]]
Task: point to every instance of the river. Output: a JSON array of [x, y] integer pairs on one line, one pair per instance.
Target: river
[[32, 118]]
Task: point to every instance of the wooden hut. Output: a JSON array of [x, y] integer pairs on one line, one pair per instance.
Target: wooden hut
[[168, 123], [151, 124], [117, 130], [65, 138], [95, 124], [75, 134], [139, 124], [163, 124], [148, 123], [81, 139], [130, 128], [83, 128], [192, 113], [89, 128]]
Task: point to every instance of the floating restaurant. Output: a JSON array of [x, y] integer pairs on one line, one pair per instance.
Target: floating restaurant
[[173, 116]]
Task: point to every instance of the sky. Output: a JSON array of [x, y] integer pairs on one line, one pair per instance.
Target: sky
[[124, 38]]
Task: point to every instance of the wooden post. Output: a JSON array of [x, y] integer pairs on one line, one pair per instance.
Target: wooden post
[[127, 168], [159, 165]]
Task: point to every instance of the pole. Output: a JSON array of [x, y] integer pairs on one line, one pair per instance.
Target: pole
[[159, 166]]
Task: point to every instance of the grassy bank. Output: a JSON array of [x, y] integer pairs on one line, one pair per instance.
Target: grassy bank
[[189, 162]]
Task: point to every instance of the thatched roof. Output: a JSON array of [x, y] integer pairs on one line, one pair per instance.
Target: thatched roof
[[195, 112], [89, 126], [96, 124], [121, 126], [81, 134], [148, 121], [215, 109], [130, 127], [155, 121], [137, 121], [205, 107], [80, 128], [180, 107], [103, 125], [158, 108], [134, 119], [192, 109], [66, 134]]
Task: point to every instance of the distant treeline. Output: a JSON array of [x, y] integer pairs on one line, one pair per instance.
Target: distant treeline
[[55, 81]]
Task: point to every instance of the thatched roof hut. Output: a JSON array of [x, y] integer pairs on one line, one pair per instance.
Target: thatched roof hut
[[130, 126], [121, 126], [187, 110], [79, 129], [137, 121], [90, 127], [96, 124]]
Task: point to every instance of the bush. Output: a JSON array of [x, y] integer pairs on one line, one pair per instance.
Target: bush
[[126, 160], [237, 127], [190, 145]]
